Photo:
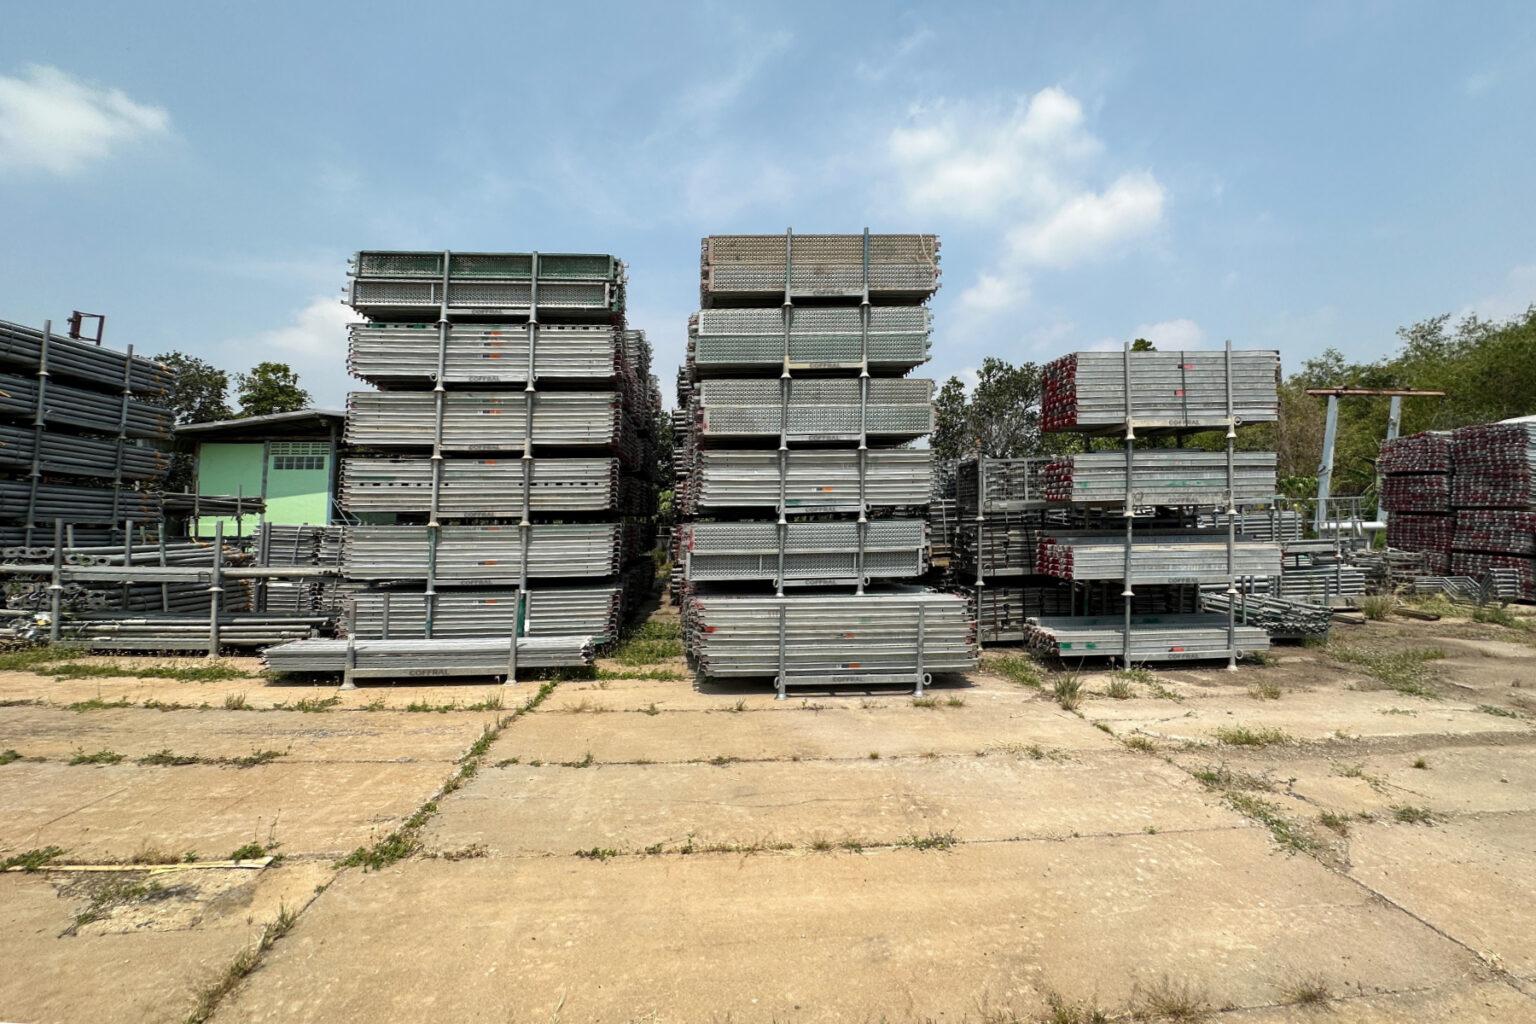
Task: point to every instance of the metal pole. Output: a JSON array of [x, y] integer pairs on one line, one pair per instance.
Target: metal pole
[[1325, 468], [1231, 518], [216, 589], [1394, 423], [56, 583]]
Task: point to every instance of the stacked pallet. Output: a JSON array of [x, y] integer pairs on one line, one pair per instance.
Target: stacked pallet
[[502, 475], [1002, 517], [83, 434], [1167, 559], [1466, 500], [802, 508]]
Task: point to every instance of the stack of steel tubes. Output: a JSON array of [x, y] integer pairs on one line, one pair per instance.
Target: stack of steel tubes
[[510, 448], [1001, 513], [802, 508], [1466, 500], [1167, 560]]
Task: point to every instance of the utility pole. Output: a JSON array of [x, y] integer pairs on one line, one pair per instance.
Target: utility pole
[[1331, 436]]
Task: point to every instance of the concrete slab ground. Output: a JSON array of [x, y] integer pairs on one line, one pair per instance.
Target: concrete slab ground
[[836, 730], [112, 812], [58, 733], [142, 960], [1470, 875], [555, 810], [1003, 848], [897, 935]]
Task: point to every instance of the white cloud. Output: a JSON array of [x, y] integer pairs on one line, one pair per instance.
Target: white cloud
[[955, 158], [993, 293], [314, 344], [1517, 294], [1171, 335], [1092, 224], [53, 122]]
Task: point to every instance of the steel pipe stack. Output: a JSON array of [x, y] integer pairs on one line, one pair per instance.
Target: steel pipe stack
[[1129, 395], [83, 434], [1001, 513], [802, 505], [1466, 501], [509, 448]]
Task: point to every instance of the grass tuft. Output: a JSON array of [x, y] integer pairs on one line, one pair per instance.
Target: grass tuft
[[1311, 990], [1119, 689], [1178, 1003], [1289, 834], [235, 702], [1405, 671], [1407, 814], [1067, 688], [1250, 736], [1141, 743], [1017, 668], [32, 860], [931, 841], [99, 757], [1377, 607], [1264, 691], [209, 997]]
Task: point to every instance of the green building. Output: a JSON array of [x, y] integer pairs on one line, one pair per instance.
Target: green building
[[288, 459]]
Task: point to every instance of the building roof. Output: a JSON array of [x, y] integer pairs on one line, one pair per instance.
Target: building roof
[[271, 425]]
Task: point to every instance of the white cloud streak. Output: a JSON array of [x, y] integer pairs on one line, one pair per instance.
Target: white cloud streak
[[54, 123]]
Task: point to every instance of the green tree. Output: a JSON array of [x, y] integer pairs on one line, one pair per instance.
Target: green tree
[[199, 391], [1143, 345], [999, 417], [269, 388]]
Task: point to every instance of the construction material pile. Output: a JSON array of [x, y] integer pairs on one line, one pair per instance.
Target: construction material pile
[[1154, 550], [802, 510], [1001, 519], [510, 448], [1466, 500], [84, 435], [1096, 392]]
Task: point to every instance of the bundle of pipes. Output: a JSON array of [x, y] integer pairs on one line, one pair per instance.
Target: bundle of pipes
[[406, 659], [1501, 531], [1495, 466], [487, 287], [812, 552], [478, 488], [1413, 532], [128, 631], [1416, 492], [1010, 485], [1280, 618], [1426, 452], [80, 456], [828, 639], [1482, 563], [813, 480], [726, 341], [76, 504], [79, 360], [762, 270], [283, 544], [1089, 391], [1271, 523], [1152, 637], [1156, 557], [394, 354], [1338, 583], [551, 611], [70, 406], [186, 503], [1002, 610], [482, 421], [894, 409], [482, 553], [1004, 544], [1161, 476]]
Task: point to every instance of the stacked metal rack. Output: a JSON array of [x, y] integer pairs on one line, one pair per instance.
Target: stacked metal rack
[[1465, 501], [501, 475], [1129, 395], [1001, 518], [792, 403]]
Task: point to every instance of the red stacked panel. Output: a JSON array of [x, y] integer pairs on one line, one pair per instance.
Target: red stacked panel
[[1500, 531], [1416, 492], [1058, 395]]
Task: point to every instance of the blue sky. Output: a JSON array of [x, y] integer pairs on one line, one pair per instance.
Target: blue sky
[[1289, 175]]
